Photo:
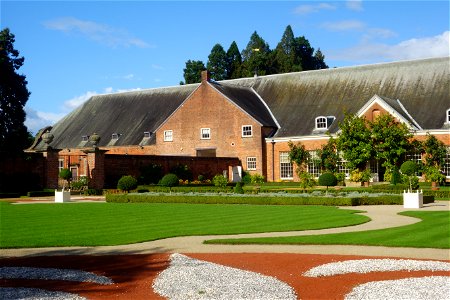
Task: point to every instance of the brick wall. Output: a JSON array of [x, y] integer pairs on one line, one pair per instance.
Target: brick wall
[[22, 172]]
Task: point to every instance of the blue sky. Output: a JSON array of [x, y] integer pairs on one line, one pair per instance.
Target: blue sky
[[76, 49]]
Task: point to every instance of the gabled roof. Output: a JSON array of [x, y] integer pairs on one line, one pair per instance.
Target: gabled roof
[[293, 100], [249, 101]]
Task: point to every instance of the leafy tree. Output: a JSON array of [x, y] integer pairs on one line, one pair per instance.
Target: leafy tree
[[329, 156], [391, 140], [127, 183], [256, 56], [193, 71], [170, 180], [354, 141], [409, 168], [217, 63], [287, 59], [435, 151], [327, 179], [299, 155], [234, 62], [13, 97], [66, 175], [319, 60]]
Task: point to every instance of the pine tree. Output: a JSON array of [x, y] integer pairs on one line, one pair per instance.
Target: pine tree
[[286, 57], [193, 70], [256, 57], [217, 63], [13, 96], [305, 51], [319, 60], [234, 62]]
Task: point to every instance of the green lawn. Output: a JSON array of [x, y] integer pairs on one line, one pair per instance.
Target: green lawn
[[91, 224], [432, 232]]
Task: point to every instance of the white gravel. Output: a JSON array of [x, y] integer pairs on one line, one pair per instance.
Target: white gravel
[[433, 287], [376, 265], [52, 274], [36, 294], [188, 278]]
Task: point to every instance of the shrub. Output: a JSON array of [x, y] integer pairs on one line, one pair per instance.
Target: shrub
[[94, 192], [395, 176], [78, 184], [409, 168], [327, 179], [247, 178], [169, 180], [220, 181], [201, 178], [238, 188], [306, 180], [182, 172], [257, 178], [127, 183], [340, 178], [65, 174], [150, 174]]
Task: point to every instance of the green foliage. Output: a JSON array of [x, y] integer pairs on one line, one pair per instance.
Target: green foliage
[[94, 192], [201, 177], [409, 168], [193, 70], [150, 174], [327, 179], [234, 62], [13, 97], [329, 156], [287, 59], [182, 171], [306, 180], [257, 178], [81, 182], [220, 181], [256, 57], [65, 174], [354, 141], [433, 174], [435, 151], [238, 188], [127, 183], [169, 180], [217, 63], [247, 178], [299, 155], [395, 176], [340, 178]]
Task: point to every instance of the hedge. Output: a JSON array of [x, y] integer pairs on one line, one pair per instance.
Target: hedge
[[9, 195], [41, 193], [259, 200]]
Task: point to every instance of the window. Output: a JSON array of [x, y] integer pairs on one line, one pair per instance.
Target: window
[[286, 170], [342, 166], [251, 163], [85, 138], [205, 133], [147, 134], [415, 157], [168, 135], [247, 131], [321, 123], [313, 164], [446, 166], [447, 119], [115, 136], [60, 164]]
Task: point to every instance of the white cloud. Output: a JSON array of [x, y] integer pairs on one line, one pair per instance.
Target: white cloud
[[73, 103], [128, 77], [417, 48], [344, 25], [355, 5], [101, 33], [312, 8]]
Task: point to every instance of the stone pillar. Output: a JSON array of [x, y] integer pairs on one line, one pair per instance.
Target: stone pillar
[[96, 168], [51, 169]]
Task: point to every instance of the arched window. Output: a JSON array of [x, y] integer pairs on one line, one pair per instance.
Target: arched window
[[321, 122]]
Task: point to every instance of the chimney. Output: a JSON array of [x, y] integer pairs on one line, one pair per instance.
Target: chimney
[[205, 75]]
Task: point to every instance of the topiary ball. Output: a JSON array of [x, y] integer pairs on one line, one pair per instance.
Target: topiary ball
[[409, 168], [127, 183], [169, 180], [327, 179]]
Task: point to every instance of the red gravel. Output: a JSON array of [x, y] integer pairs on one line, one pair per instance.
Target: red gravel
[[133, 274]]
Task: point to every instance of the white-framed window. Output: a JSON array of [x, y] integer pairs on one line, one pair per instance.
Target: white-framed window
[[321, 122], [115, 136], [168, 135], [447, 118], [85, 138], [147, 134], [251, 163], [286, 169], [415, 157], [342, 166], [60, 164], [247, 131], [205, 133], [312, 164], [446, 166]]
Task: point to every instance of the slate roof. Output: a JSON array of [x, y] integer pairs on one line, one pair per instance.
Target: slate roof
[[294, 99]]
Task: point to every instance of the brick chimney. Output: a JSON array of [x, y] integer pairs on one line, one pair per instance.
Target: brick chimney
[[205, 75]]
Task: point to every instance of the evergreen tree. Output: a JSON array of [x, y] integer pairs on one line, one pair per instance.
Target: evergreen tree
[[193, 71], [234, 62], [217, 63], [319, 60], [13, 96], [286, 57], [256, 57], [305, 51]]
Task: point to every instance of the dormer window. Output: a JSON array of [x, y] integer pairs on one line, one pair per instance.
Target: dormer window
[[321, 123], [447, 119], [85, 138], [115, 136], [147, 134]]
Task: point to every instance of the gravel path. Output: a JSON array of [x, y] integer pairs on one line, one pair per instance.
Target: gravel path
[[36, 294]]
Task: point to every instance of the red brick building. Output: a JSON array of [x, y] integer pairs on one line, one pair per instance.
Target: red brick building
[[250, 121]]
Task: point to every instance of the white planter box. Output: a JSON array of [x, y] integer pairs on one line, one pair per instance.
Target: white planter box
[[63, 196], [412, 199]]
